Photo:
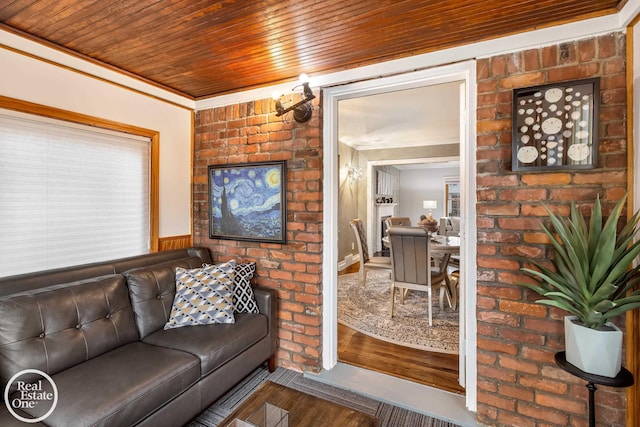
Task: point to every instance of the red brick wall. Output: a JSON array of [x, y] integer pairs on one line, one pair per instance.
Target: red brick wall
[[518, 381], [250, 132]]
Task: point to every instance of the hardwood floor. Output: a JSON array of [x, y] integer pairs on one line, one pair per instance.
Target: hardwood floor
[[438, 370]]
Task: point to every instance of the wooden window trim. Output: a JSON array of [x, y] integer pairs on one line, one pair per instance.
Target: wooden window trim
[[70, 116], [447, 181], [632, 336]]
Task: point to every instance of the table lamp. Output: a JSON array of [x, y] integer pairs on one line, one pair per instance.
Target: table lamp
[[430, 222]]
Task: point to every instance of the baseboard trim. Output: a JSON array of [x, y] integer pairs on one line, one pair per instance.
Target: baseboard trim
[[348, 260]]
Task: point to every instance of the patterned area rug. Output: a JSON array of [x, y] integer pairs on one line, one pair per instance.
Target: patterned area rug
[[367, 310], [389, 415]]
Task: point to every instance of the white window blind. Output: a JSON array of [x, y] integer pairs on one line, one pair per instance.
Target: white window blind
[[69, 194], [385, 183]]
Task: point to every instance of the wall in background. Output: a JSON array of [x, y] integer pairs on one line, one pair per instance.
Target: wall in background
[[29, 79], [250, 132], [348, 201], [417, 185], [518, 380]]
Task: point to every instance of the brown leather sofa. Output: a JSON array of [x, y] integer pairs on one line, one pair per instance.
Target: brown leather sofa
[[97, 330]]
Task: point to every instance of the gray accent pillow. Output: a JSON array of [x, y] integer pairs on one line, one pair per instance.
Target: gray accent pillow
[[203, 296]]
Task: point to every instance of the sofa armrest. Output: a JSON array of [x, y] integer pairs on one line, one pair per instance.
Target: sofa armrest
[[267, 300]]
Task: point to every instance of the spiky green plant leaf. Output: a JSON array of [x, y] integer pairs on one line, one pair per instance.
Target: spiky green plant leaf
[[604, 246], [591, 278]]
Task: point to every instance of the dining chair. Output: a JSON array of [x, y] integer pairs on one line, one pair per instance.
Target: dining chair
[[367, 263], [411, 265], [454, 288], [393, 221]]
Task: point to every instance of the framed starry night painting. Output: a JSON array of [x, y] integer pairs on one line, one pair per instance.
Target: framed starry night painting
[[555, 126], [247, 201]]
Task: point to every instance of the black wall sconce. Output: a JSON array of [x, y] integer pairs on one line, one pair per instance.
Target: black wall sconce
[[302, 110]]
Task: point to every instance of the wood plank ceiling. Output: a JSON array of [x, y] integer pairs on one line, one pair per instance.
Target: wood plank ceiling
[[203, 48]]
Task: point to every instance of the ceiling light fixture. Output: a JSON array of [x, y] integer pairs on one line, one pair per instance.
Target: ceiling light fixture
[[302, 110]]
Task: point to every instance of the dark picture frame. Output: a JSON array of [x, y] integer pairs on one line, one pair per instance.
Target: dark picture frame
[[555, 126], [247, 201]]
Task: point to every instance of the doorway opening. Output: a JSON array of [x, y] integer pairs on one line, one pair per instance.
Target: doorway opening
[[465, 74], [405, 345]]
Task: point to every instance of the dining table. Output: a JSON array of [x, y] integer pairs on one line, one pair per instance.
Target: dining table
[[438, 244], [444, 249], [445, 244], [447, 248]]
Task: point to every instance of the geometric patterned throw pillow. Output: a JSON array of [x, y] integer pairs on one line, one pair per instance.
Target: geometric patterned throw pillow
[[243, 298], [203, 296]]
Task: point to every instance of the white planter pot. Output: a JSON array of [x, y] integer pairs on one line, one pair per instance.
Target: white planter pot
[[593, 351]]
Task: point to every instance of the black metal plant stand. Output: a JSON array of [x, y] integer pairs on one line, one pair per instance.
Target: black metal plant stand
[[623, 379]]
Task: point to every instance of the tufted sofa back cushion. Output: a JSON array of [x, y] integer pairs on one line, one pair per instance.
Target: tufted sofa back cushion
[[56, 327], [152, 292]]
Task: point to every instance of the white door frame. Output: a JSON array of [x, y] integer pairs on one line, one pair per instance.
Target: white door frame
[[464, 71]]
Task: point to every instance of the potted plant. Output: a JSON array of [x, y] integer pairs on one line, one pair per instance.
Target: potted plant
[[593, 280]]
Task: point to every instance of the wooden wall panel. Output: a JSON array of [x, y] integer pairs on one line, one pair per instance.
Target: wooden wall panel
[[174, 242], [633, 317]]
